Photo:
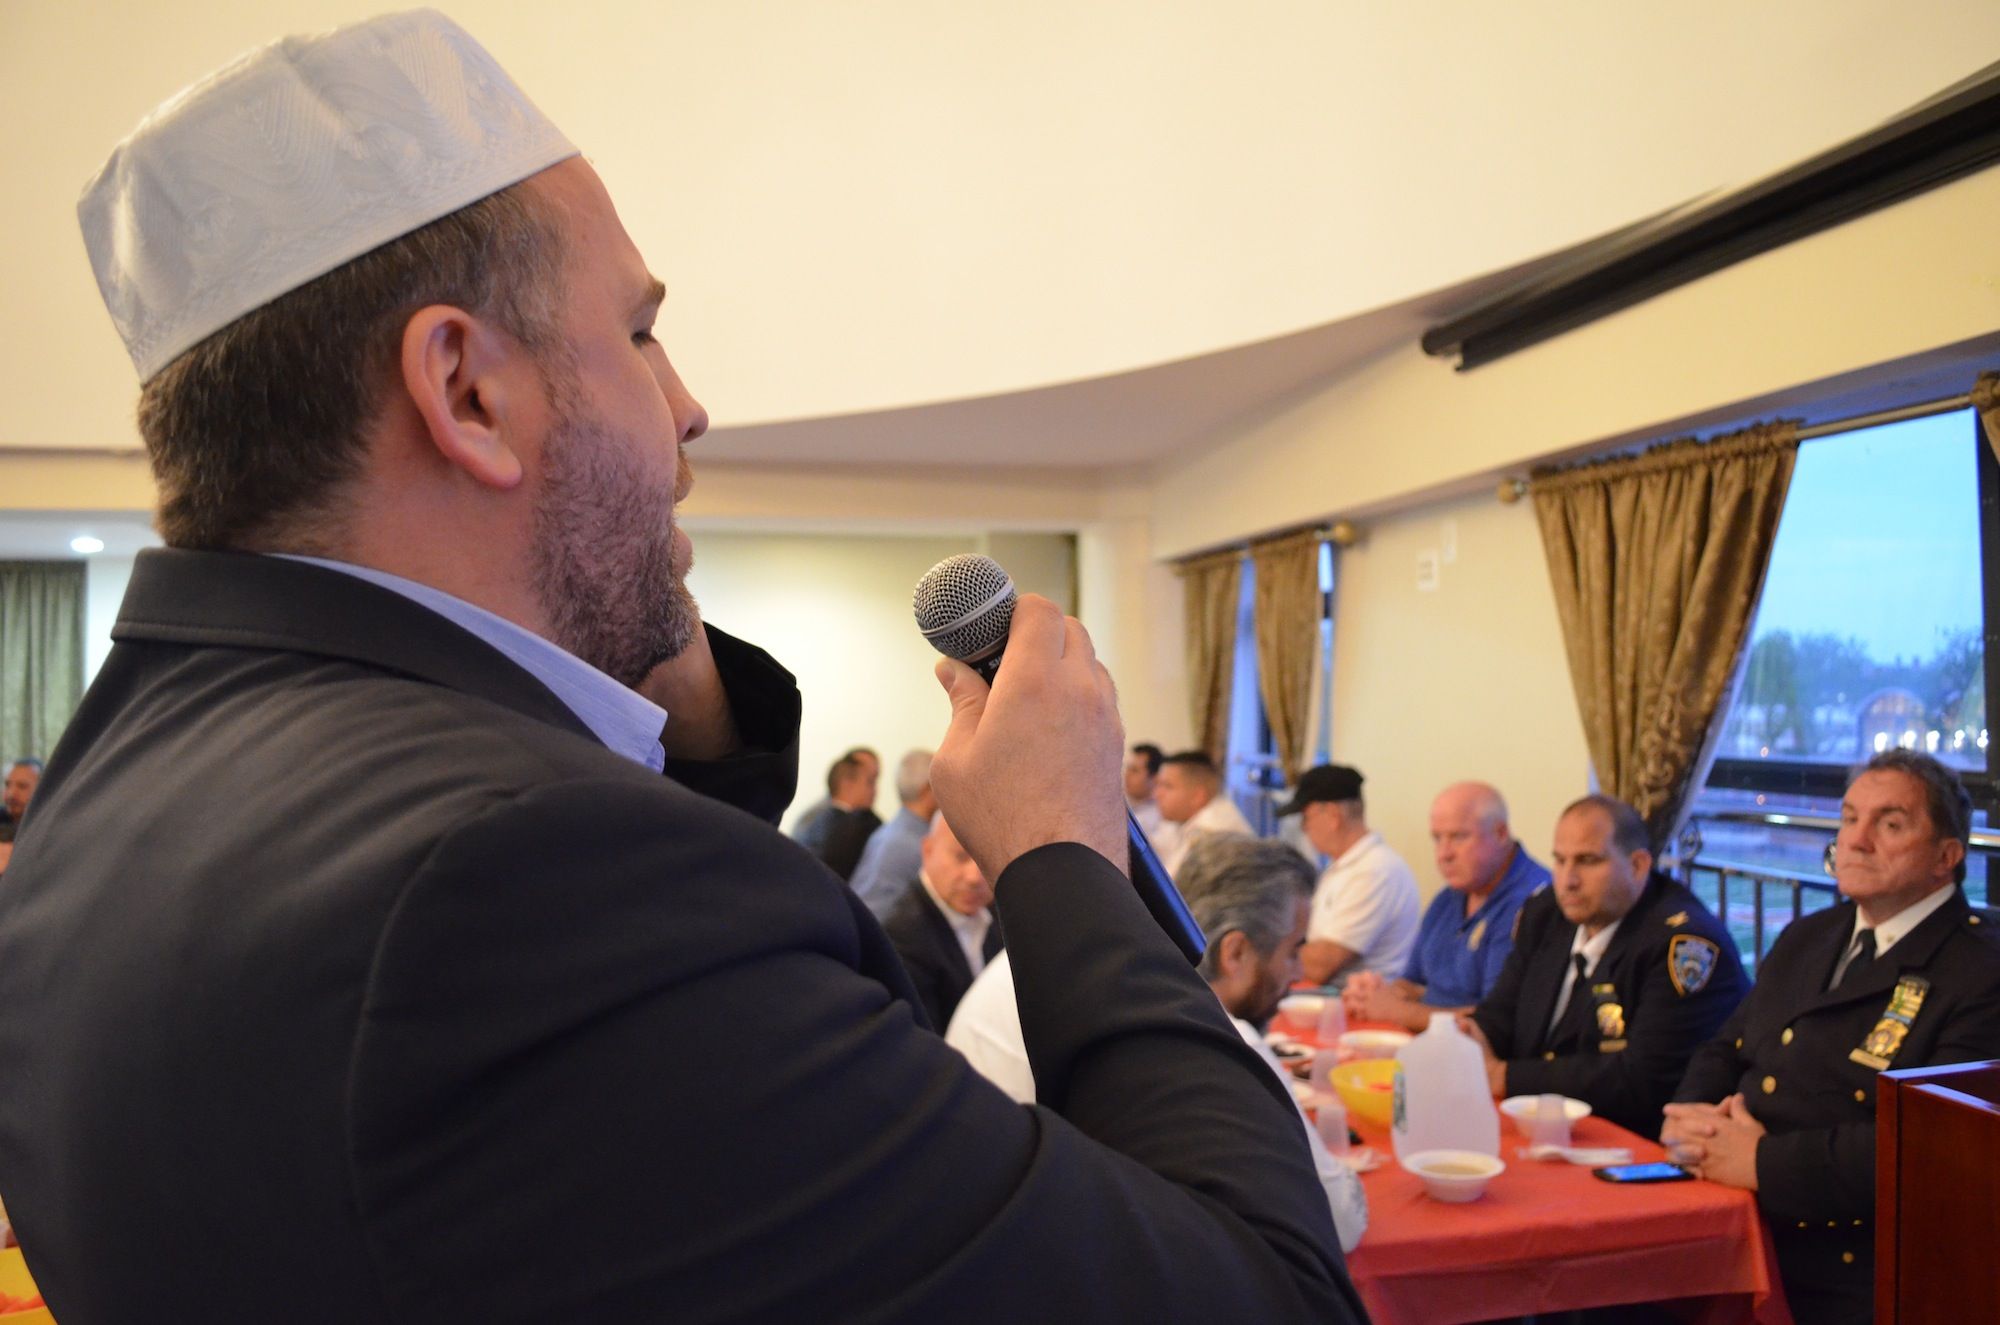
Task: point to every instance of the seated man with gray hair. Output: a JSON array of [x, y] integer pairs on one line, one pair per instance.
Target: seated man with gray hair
[[1252, 899]]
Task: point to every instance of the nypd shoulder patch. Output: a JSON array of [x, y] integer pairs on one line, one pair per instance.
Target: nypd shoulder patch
[[1691, 959]]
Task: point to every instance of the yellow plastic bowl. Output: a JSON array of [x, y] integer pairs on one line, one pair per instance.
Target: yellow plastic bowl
[[1366, 1087], [15, 1281]]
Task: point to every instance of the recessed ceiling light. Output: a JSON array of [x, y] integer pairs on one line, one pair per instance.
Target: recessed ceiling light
[[84, 544]]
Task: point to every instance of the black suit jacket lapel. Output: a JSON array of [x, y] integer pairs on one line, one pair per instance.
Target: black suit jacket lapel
[[1542, 986], [242, 600]]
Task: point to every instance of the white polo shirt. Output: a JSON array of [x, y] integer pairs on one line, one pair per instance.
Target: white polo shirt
[[1366, 901]]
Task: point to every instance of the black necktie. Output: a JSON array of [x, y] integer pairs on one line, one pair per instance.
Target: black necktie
[[1570, 1020], [1859, 958]]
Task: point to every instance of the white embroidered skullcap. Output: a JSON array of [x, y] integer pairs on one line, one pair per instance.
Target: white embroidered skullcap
[[292, 160]]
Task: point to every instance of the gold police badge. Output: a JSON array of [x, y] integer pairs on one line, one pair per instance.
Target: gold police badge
[[1610, 1018], [1691, 960], [1886, 1040]]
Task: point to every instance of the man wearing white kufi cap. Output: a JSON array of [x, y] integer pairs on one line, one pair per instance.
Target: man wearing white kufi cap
[[390, 941]]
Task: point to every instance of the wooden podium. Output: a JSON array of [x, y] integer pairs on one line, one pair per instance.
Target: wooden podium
[[1937, 1195]]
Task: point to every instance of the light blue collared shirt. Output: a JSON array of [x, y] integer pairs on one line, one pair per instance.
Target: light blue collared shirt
[[627, 722]]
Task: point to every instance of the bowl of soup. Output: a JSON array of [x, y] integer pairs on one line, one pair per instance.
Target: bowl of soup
[[1454, 1175]]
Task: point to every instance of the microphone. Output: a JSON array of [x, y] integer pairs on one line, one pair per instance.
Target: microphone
[[964, 606]]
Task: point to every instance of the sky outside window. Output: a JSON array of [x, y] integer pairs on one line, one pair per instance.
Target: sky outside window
[[1870, 631]]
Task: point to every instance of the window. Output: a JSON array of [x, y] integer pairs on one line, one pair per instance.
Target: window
[[1253, 776], [1872, 632]]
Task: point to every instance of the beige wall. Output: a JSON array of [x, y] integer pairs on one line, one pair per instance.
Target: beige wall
[[1464, 681]]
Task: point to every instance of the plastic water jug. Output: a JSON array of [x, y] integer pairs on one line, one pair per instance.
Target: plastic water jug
[[1441, 1101]]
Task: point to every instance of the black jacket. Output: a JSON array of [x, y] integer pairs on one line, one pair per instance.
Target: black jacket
[[1792, 1048], [344, 977], [929, 947], [1666, 983]]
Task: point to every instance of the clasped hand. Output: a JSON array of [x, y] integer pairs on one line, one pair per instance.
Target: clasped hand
[[1718, 1141]]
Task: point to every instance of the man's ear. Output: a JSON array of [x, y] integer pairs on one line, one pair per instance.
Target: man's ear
[[464, 378], [1233, 953]]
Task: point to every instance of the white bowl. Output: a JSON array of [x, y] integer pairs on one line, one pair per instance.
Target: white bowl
[[1374, 1044], [1454, 1175], [1302, 1008], [1521, 1108]]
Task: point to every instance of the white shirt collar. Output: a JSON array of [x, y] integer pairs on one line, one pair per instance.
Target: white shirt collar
[[626, 722], [1594, 948], [1905, 920]]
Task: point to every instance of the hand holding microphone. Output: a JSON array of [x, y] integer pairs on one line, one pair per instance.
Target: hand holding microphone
[[1034, 759]]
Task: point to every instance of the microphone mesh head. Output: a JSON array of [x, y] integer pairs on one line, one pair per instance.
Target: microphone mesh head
[[964, 605]]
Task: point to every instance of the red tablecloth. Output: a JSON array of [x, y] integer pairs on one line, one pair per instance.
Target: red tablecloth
[[1549, 1237]]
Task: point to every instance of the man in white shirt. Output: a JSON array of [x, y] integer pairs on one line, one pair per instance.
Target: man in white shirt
[[944, 929], [1252, 899], [1189, 793], [1365, 909]]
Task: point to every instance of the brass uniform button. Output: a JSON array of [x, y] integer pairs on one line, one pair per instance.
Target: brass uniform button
[[1802, 1223], [1770, 1084], [1739, 1042], [1786, 1038], [1861, 1097], [1858, 1223], [1833, 1223], [1847, 1258], [1550, 1056]]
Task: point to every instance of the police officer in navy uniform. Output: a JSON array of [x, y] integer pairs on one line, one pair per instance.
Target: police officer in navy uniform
[[1618, 974], [1902, 974]]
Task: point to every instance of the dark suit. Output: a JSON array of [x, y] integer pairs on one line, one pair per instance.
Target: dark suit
[[1667, 982], [343, 977], [840, 836], [930, 950], [1788, 1050]]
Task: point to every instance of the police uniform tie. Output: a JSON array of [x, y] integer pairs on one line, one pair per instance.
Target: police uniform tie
[[1566, 1015], [1858, 959]]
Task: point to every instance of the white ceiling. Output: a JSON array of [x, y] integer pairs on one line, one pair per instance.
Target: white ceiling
[[1119, 420], [861, 209]]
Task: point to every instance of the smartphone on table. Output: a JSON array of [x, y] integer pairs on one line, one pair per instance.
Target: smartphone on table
[[1660, 1172]]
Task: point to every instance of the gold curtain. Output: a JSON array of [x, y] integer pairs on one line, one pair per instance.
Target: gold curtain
[[1986, 399], [1287, 614], [1657, 561], [1213, 586]]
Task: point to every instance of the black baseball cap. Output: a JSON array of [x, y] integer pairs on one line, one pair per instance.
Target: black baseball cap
[[1328, 782]]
